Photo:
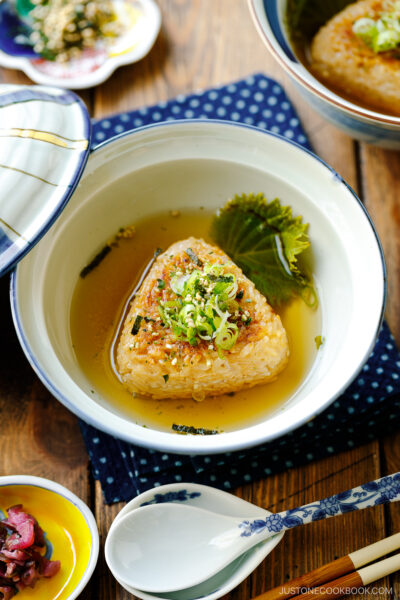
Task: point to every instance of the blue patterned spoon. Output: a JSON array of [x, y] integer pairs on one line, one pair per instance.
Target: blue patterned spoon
[[168, 547]]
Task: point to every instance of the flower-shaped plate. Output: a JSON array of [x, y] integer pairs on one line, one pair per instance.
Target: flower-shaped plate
[[140, 19], [45, 142]]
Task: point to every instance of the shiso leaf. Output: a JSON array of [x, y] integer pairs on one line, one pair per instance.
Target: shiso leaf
[[305, 17], [264, 240]]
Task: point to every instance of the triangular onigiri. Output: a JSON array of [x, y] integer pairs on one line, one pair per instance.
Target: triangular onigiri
[[156, 358]]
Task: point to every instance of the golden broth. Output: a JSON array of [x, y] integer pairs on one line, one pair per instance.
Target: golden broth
[[65, 529], [100, 302]]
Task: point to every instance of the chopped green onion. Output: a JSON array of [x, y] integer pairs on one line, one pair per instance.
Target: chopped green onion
[[178, 284], [365, 28], [160, 284], [206, 307], [382, 34], [227, 336], [165, 377], [386, 40]]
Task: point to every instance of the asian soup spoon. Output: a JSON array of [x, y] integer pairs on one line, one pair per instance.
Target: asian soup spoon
[[167, 547]]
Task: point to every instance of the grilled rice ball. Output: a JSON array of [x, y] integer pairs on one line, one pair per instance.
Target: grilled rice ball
[[153, 361], [342, 60]]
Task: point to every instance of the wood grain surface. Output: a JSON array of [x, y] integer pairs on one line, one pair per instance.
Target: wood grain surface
[[205, 43]]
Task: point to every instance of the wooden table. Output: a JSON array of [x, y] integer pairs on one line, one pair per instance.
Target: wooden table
[[205, 43]]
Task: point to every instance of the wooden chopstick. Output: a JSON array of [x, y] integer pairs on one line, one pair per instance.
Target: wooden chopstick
[[350, 583], [333, 570]]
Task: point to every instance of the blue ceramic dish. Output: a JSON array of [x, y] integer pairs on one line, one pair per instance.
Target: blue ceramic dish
[[140, 22], [361, 123]]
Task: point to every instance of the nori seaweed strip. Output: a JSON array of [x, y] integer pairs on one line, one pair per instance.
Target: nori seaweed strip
[[95, 262], [195, 259], [194, 430], [136, 325], [239, 295]]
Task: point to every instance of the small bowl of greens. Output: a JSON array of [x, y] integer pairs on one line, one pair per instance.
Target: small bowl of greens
[[227, 286], [343, 56]]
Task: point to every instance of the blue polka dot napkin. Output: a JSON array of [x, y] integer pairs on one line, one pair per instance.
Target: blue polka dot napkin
[[370, 407], [257, 100]]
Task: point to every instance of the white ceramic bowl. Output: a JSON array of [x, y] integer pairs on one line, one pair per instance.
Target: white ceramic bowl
[[208, 162], [217, 501], [361, 123], [42, 489]]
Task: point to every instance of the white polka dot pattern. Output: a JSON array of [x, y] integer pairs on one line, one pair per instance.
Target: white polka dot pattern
[[245, 101]]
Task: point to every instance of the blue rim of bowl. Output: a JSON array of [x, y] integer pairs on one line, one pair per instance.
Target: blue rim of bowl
[[75, 179], [271, 15], [84, 510], [171, 447], [271, 12]]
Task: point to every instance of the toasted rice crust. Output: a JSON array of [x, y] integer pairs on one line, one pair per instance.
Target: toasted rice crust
[[260, 353]]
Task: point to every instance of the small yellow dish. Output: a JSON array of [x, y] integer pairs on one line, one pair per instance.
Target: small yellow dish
[[70, 528]]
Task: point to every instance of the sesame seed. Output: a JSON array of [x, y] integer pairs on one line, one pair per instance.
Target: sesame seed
[[66, 33]]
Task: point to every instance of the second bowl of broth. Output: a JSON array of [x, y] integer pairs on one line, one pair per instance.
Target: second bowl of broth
[[359, 115]]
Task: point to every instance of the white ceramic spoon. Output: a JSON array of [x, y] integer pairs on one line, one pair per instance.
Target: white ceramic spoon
[[167, 547], [218, 501]]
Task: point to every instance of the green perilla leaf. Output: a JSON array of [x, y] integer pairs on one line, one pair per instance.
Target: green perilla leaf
[[264, 240]]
